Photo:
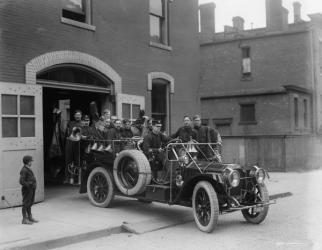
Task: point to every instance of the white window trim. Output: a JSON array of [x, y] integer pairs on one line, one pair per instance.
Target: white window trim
[[128, 99], [160, 46], [88, 18], [78, 24], [18, 116]]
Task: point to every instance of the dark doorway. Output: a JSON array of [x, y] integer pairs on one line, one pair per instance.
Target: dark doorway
[[160, 98], [67, 101]]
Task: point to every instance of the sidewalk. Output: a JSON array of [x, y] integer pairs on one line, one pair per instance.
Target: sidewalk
[[66, 214]]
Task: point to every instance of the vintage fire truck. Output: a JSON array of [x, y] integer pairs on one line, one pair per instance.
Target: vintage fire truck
[[191, 174]]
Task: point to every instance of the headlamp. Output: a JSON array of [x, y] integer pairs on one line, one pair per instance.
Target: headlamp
[[232, 177], [258, 173]]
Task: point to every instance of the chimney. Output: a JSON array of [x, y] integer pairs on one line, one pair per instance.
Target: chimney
[[274, 15], [297, 12], [207, 20], [228, 29], [238, 23], [285, 18]]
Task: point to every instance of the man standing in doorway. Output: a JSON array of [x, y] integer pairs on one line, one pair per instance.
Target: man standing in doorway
[[76, 123]]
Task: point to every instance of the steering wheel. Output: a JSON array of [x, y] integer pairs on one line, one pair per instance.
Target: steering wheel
[[174, 140], [136, 137]]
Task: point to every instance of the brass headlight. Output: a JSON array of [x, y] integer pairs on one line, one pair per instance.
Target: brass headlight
[[232, 177], [258, 173]]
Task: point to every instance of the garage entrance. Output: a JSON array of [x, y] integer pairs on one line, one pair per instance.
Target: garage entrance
[[67, 88]]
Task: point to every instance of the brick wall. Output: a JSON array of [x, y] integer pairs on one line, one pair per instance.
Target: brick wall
[[30, 28], [272, 114], [276, 60]]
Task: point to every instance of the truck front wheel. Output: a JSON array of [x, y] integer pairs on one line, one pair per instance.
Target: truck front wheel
[[205, 206]]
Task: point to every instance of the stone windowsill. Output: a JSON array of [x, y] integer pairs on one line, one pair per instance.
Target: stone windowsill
[[78, 24], [160, 46], [248, 123]]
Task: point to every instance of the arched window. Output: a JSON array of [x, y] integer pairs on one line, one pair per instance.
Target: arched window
[[69, 75]]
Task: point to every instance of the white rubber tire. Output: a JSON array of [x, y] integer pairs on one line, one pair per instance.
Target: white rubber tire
[[258, 217], [214, 206], [109, 187], [144, 171]]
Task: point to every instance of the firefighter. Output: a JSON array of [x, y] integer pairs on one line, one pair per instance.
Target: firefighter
[[152, 147], [29, 184], [185, 133]]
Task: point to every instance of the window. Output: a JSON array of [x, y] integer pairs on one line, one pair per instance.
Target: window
[[296, 112], [130, 111], [129, 106], [18, 115], [159, 21], [77, 13], [223, 125], [247, 113], [246, 62], [305, 113]]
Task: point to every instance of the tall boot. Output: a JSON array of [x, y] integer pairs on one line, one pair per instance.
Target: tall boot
[[31, 219], [25, 219]]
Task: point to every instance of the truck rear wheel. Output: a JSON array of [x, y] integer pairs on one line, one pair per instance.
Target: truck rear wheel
[[205, 206], [100, 189], [131, 172]]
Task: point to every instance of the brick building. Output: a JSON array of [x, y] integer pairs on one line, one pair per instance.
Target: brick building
[[262, 87], [125, 55]]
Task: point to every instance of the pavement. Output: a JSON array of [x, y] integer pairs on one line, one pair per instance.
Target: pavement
[[67, 217]]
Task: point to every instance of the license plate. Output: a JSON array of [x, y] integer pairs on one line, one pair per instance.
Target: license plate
[[258, 209]]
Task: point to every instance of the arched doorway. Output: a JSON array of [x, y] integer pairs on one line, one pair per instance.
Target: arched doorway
[[67, 88]]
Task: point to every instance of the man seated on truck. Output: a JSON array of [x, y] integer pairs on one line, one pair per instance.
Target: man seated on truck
[[152, 147]]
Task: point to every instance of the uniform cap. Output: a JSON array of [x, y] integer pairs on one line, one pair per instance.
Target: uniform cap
[[156, 123]]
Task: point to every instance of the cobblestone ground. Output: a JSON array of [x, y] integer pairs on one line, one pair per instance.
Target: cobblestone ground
[[293, 223]]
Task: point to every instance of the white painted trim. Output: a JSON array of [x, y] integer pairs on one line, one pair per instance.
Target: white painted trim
[[160, 46], [74, 86], [77, 24], [66, 56], [161, 75], [130, 99]]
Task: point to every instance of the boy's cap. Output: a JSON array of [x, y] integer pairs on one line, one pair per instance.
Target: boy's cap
[[26, 159]]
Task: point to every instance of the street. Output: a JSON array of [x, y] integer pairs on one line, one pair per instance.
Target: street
[[292, 223]]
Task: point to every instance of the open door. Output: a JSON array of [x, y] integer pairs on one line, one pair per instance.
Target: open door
[[21, 133]]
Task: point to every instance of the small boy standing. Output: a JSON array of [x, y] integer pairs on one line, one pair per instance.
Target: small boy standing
[[28, 182]]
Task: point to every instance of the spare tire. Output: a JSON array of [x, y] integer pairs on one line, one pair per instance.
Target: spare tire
[[132, 172]]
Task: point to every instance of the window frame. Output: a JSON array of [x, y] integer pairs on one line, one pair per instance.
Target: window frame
[[244, 57], [19, 116], [164, 42], [245, 122], [296, 112], [88, 17]]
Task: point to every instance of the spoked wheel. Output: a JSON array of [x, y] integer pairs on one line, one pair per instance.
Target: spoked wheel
[[205, 206], [100, 189], [257, 215], [129, 172]]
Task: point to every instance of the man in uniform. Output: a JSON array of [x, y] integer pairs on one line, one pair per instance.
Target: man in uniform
[[204, 134], [28, 182], [76, 123], [152, 147], [185, 133], [126, 130]]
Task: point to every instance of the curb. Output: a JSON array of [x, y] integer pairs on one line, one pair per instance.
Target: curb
[[68, 240]]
